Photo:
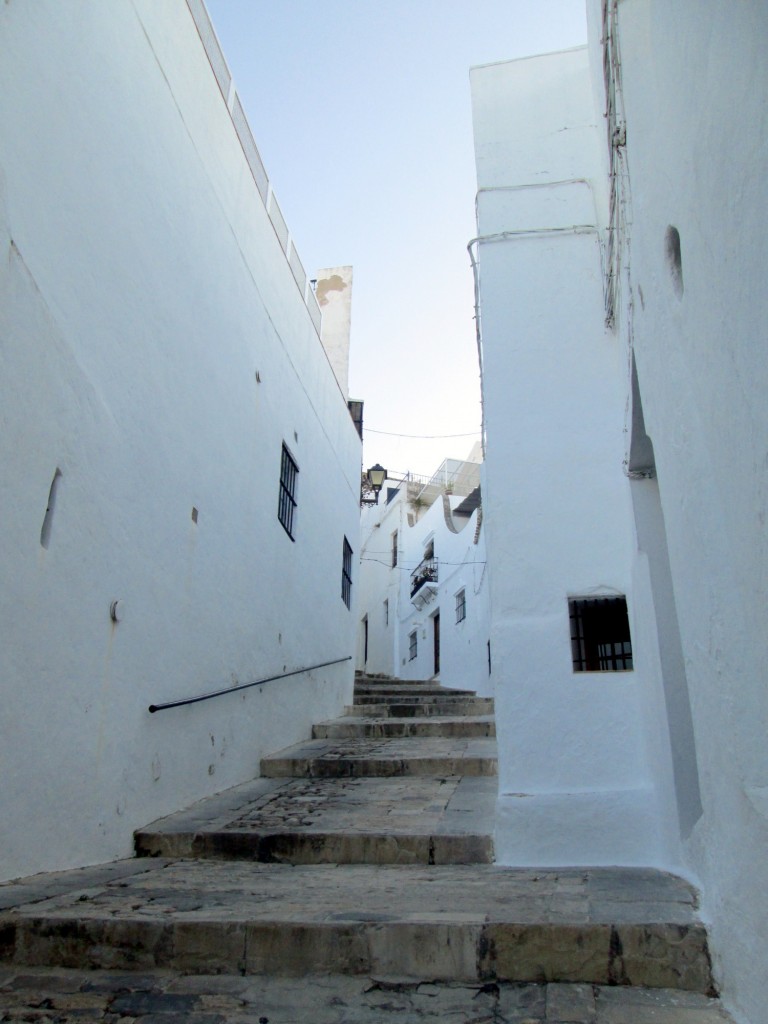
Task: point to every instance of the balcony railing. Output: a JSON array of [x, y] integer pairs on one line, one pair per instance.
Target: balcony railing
[[425, 572]]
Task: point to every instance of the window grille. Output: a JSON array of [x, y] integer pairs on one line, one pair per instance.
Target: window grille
[[346, 574], [600, 639], [413, 645], [461, 606], [286, 507], [394, 549]]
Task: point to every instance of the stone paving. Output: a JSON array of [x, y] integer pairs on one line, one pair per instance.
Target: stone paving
[[356, 886], [422, 819], [343, 728], [381, 707], [99, 997], [413, 755], [462, 922]]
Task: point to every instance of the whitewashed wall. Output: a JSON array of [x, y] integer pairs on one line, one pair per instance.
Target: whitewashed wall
[[695, 80], [460, 551], [144, 288], [578, 782], [380, 582]]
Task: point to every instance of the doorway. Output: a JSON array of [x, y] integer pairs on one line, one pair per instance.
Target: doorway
[[436, 641]]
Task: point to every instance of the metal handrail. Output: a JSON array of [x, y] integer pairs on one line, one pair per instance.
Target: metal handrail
[[243, 686]]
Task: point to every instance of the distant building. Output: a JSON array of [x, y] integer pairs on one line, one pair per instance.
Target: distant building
[[180, 472], [423, 605], [622, 222]]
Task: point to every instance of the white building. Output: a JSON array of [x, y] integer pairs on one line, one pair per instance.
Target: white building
[[423, 605], [641, 451], [577, 780], [180, 471]]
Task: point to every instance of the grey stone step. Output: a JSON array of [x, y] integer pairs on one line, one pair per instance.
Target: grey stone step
[[350, 758], [454, 707], [408, 697], [392, 680], [476, 923], [406, 689], [342, 728], [420, 820], [99, 997]]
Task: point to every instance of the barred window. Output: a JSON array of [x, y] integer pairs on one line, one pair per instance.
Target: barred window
[[413, 645], [346, 573], [600, 640], [286, 506], [394, 549], [461, 606]]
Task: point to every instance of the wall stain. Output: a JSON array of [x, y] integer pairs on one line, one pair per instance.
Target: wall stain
[[334, 283], [617, 974]]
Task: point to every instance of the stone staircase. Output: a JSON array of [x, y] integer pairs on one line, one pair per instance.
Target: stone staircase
[[367, 852], [367, 789]]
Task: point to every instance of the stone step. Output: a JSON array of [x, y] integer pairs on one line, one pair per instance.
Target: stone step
[[408, 697], [344, 728], [103, 997], [463, 923], [393, 680], [421, 820], [351, 758], [398, 709], [406, 689]]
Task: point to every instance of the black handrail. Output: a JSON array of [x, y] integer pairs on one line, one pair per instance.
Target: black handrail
[[243, 686]]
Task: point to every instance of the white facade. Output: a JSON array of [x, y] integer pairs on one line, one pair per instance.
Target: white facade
[[666, 411], [692, 176], [423, 590], [159, 346], [576, 782]]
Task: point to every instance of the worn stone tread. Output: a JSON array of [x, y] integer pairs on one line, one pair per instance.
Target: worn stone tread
[[455, 922], [101, 997], [359, 756], [446, 725], [409, 697], [416, 709], [425, 819], [406, 689]]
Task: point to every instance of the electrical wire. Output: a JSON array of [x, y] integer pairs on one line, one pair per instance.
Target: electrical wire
[[408, 568]]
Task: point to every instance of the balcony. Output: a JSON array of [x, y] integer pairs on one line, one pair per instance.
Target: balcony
[[424, 582]]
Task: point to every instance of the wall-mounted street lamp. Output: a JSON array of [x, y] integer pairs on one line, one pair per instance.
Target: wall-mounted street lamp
[[373, 480]]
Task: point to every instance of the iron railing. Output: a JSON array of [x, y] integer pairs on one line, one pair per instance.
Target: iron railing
[[425, 572], [243, 686]]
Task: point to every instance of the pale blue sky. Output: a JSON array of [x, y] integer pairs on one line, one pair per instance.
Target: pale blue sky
[[361, 112]]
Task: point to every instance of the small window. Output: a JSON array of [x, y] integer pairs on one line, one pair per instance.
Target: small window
[[461, 606], [600, 640], [386, 612], [413, 645], [346, 574], [286, 506], [394, 549]]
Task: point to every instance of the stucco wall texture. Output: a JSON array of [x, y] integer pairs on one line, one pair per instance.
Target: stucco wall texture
[[156, 354], [678, 382]]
